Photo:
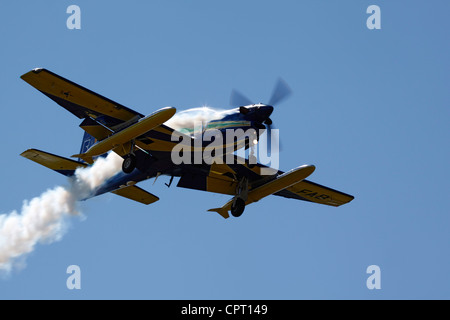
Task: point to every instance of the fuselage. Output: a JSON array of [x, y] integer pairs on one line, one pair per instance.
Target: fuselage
[[245, 117], [237, 128]]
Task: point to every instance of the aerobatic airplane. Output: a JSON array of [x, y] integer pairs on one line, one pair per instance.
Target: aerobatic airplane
[[146, 144]]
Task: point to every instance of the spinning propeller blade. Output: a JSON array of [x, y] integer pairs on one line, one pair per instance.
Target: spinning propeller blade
[[280, 92], [237, 99]]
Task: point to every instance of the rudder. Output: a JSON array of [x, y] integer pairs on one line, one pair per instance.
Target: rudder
[[87, 142]]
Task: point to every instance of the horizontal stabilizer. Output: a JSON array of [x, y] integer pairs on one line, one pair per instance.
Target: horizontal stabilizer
[[137, 194], [222, 211], [61, 165]]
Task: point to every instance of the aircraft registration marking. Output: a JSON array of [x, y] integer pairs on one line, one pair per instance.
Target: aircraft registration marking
[[312, 194]]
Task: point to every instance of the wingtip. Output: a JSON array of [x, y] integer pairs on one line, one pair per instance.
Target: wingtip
[[23, 154], [35, 71]]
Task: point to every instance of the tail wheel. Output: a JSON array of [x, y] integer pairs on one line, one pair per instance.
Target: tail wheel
[[129, 163], [237, 208]]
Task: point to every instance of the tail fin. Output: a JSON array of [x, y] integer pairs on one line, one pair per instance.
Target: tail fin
[[87, 142]]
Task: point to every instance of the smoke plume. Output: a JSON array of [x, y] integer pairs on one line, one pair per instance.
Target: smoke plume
[[43, 219]]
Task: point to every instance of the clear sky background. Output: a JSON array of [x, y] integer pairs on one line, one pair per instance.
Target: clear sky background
[[370, 109]]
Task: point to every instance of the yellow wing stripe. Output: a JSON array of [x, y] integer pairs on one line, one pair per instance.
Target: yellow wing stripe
[[57, 86]]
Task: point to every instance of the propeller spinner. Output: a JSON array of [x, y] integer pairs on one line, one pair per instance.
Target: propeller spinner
[[280, 93]]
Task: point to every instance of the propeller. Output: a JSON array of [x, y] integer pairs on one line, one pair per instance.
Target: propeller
[[280, 93], [237, 99]]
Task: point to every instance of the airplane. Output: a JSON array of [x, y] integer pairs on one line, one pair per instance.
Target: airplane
[[146, 143]]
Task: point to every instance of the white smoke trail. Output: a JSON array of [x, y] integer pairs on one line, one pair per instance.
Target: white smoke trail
[[43, 218], [188, 119]]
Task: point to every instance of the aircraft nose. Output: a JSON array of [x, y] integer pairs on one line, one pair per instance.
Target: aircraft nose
[[265, 111]]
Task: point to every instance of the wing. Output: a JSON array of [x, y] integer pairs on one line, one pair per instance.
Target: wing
[[224, 178], [313, 192], [101, 116], [78, 100]]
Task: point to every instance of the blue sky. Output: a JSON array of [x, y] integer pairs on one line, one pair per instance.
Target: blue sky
[[370, 110]]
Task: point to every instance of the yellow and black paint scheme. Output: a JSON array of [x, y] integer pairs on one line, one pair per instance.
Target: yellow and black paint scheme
[[68, 167], [109, 125], [57, 163]]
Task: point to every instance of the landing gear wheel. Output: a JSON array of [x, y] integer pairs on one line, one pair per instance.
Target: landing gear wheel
[[129, 163], [238, 207]]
